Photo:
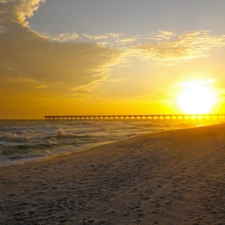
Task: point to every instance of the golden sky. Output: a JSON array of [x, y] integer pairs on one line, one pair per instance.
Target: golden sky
[[108, 57]]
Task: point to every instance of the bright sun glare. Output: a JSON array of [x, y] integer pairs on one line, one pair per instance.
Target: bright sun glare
[[197, 98]]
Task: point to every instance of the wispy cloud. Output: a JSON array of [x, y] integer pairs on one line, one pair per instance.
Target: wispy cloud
[[100, 37], [84, 91], [162, 35], [19, 79], [111, 39], [23, 82], [163, 46], [41, 86], [169, 47], [127, 40], [64, 37]]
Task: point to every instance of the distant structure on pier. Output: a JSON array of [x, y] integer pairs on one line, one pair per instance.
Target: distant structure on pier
[[219, 117]]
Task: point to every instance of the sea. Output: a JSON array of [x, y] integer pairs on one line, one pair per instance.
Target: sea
[[23, 141]]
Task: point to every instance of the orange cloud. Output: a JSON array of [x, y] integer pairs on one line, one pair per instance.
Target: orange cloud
[[100, 37], [18, 11], [43, 58], [64, 37]]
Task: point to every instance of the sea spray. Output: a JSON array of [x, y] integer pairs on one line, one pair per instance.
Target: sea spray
[[61, 133]]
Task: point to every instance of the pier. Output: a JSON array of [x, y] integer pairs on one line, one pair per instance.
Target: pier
[[218, 117]]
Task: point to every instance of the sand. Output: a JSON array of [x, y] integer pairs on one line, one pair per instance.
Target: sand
[[173, 177]]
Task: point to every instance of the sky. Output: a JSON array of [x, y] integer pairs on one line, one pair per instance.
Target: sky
[[72, 57]]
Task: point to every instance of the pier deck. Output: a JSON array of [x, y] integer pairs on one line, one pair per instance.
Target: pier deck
[[220, 117]]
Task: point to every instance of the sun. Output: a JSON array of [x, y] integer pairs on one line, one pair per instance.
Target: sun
[[197, 98]]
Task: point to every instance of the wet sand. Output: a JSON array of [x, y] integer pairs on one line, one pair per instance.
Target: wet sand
[[173, 177]]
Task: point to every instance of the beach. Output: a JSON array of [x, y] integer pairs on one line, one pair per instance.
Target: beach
[[171, 177]]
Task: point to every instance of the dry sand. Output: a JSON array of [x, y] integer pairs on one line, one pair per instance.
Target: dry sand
[[173, 177]]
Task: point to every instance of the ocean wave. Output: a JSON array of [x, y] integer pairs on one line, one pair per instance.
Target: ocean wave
[[49, 143], [12, 137], [61, 133]]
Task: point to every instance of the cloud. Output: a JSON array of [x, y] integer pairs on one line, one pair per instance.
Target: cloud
[[84, 91], [162, 35], [21, 80], [168, 47], [64, 37], [42, 58], [127, 40], [18, 10], [100, 37], [42, 86], [111, 39]]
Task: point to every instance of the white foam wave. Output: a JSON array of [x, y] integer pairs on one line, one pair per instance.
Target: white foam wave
[[61, 133], [14, 137]]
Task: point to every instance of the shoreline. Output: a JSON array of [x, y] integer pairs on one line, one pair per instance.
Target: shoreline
[[12, 160], [170, 177], [96, 145], [65, 154]]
